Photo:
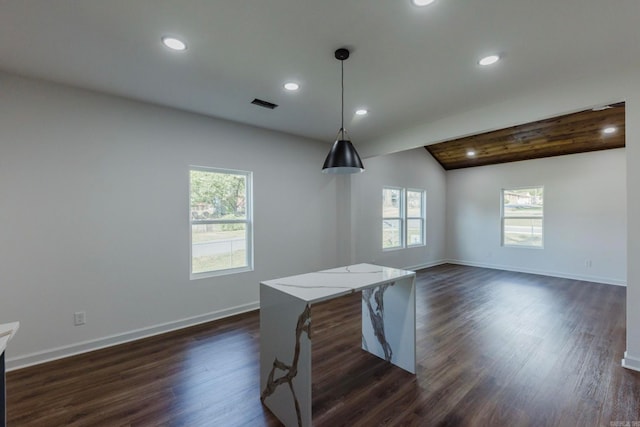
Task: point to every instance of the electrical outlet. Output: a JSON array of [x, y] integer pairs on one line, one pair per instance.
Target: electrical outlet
[[588, 263], [79, 318]]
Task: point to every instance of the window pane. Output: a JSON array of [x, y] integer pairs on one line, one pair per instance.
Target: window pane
[[522, 232], [217, 195], [414, 204], [391, 202], [391, 233], [414, 232], [218, 247], [220, 214], [523, 202]]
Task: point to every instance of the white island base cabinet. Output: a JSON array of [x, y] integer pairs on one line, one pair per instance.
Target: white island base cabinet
[[388, 329]]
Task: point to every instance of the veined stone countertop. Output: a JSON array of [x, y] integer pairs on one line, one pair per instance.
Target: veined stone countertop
[[7, 331], [326, 284]]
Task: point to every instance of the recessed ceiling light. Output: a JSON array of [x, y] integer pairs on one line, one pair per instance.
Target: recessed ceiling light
[[291, 86], [173, 43], [488, 60], [422, 2], [362, 112], [471, 153], [609, 130]]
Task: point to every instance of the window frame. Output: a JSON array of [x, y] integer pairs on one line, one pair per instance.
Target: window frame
[[404, 218], [248, 221], [503, 217]]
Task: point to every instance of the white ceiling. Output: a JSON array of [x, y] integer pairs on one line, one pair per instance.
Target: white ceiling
[[408, 65]]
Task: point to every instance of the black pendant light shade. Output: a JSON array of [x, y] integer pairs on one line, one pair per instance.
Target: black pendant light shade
[[343, 157]]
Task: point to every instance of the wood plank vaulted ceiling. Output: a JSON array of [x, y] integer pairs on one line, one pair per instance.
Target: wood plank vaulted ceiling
[[569, 134]]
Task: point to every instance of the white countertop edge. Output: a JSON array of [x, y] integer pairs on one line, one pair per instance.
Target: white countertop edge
[[296, 287], [7, 331], [344, 270]]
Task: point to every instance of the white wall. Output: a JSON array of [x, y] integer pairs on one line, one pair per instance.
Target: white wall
[[94, 216], [632, 355], [584, 216], [409, 169]]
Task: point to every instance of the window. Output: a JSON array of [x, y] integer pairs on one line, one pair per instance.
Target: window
[[221, 224], [403, 218], [415, 217], [392, 218], [522, 217]]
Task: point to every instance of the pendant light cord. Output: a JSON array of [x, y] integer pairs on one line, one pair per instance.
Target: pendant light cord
[[342, 98]]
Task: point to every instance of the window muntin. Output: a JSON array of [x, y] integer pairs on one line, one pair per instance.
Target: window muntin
[[522, 217], [403, 218], [221, 221]]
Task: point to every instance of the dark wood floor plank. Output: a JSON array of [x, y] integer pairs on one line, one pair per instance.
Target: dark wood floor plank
[[494, 348]]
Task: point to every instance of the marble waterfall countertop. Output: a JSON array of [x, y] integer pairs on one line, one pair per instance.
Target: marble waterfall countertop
[[7, 331], [326, 284]]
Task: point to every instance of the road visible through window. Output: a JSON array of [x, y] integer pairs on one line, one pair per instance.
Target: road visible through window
[[522, 217], [220, 216]]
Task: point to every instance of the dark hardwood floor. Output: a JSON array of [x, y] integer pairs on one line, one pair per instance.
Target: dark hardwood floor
[[494, 348]]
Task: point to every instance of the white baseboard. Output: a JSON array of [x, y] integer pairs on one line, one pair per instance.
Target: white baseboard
[[631, 362], [596, 279], [109, 341], [427, 265]]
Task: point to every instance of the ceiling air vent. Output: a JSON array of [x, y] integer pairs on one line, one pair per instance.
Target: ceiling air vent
[[264, 104]]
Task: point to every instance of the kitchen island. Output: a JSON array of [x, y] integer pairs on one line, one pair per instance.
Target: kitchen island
[[388, 329]]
